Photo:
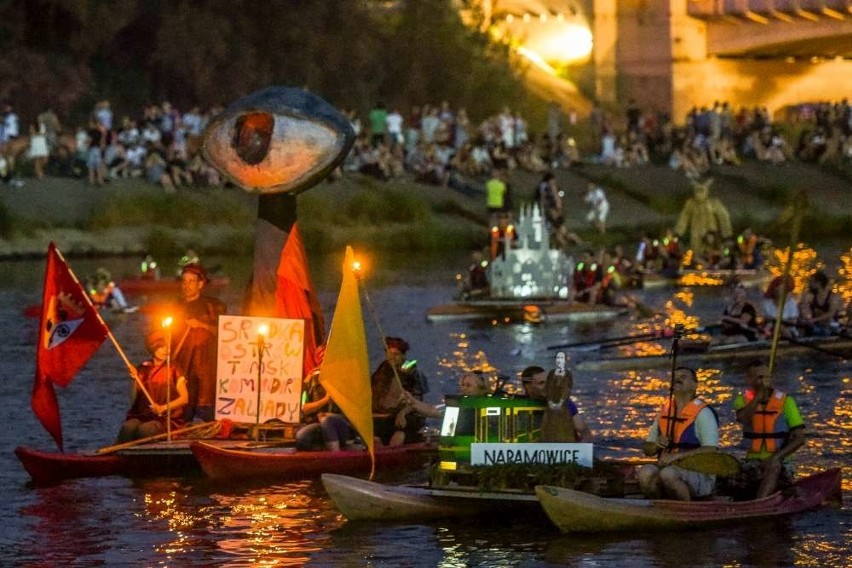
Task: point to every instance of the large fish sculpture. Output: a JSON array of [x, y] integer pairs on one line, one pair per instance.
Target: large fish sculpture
[[276, 142]]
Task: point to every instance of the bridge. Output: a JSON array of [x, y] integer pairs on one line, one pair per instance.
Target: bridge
[[673, 54]]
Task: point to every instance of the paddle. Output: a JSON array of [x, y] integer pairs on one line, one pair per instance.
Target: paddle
[[678, 332], [712, 463], [625, 338], [118, 447]]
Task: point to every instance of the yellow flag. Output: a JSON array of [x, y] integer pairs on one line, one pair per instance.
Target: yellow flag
[[345, 368]]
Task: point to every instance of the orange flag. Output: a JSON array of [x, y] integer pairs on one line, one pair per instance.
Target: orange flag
[[345, 368], [296, 298], [71, 332]]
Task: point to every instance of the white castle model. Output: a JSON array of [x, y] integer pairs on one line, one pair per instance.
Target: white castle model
[[531, 268]]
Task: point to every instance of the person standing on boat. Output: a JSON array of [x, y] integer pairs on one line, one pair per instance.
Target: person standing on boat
[[688, 428], [773, 429], [739, 320], [165, 384], [196, 350], [394, 420], [324, 427]]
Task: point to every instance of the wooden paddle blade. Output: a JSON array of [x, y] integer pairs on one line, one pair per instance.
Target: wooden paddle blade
[[713, 463]]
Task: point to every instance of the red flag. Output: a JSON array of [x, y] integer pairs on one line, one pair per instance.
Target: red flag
[[296, 298], [70, 333]]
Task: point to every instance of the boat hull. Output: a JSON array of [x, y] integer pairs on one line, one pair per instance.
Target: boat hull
[[573, 511], [522, 310], [290, 464], [839, 346], [361, 500], [708, 278]]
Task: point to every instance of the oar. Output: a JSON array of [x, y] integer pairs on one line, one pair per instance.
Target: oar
[[627, 338], [712, 463], [815, 347], [118, 447]]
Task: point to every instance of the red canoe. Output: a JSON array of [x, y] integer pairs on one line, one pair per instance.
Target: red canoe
[[573, 511], [146, 286], [150, 460], [290, 464]]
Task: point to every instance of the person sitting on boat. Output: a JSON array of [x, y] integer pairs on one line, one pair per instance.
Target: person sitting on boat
[[584, 288], [748, 250], [534, 383], [688, 428], [772, 301], [394, 420], [773, 429], [476, 285], [149, 269], [714, 252], [324, 427], [105, 293], [670, 251], [648, 254], [739, 320], [165, 383], [189, 257], [474, 383], [821, 307]]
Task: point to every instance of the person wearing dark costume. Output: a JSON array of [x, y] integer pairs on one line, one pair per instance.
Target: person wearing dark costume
[[165, 384], [196, 351], [821, 307], [394, 420]]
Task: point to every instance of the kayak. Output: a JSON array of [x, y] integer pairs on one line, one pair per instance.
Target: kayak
[[575, 511], [529, 310], [289, 464], [149, 460], [147, 286], [752, 278], [359, 499], [839, 346]]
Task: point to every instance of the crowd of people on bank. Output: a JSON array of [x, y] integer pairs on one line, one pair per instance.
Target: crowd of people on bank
[[433, 143]]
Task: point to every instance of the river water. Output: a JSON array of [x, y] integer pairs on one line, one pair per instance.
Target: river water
[[182, 522]]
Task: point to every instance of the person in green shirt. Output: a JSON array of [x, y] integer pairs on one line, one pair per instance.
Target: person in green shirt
[[378, 124], [772, 430]]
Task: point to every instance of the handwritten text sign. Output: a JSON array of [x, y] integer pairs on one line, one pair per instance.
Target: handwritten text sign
[[538, 454], [279, 370]]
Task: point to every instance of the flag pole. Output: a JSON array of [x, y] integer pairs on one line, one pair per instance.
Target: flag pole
[[130, 367]]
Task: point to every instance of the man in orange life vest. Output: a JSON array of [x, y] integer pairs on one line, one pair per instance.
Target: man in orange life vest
[[691, 427], [772, 429]]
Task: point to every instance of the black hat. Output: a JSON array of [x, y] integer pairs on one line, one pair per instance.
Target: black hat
[[397, 343]]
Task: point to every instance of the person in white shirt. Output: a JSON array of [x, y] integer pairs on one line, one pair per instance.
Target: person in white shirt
[[596, 198]]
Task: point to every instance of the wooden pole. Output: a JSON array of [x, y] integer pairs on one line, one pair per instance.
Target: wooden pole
[[800, 203], [117, 447]]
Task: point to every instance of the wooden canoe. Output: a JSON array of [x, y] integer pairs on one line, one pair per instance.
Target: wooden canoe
[[839, 346], [358, 500], [531, 310], [134, 286], [574, 511], [289, 464], [756, 278], [149, 460]]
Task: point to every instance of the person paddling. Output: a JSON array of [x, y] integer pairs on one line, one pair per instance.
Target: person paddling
[[773, 429], [685, 425]]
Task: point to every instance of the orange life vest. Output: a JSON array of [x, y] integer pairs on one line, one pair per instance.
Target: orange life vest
[[768, 425], [684, 436]]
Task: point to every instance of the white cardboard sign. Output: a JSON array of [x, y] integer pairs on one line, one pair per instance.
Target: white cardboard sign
[[531, 453], [279, 370]]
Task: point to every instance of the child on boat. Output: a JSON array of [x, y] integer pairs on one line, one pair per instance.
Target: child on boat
[[164, 396]]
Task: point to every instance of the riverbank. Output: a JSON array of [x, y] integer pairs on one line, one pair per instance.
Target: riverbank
[[132, 217]]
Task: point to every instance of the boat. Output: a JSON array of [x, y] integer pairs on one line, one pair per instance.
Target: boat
[[838, 346], [754, 277], [490, 459], [161, 458], [530, 310], [138, 286], [361, 500], [577, 512], [280, 464]]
